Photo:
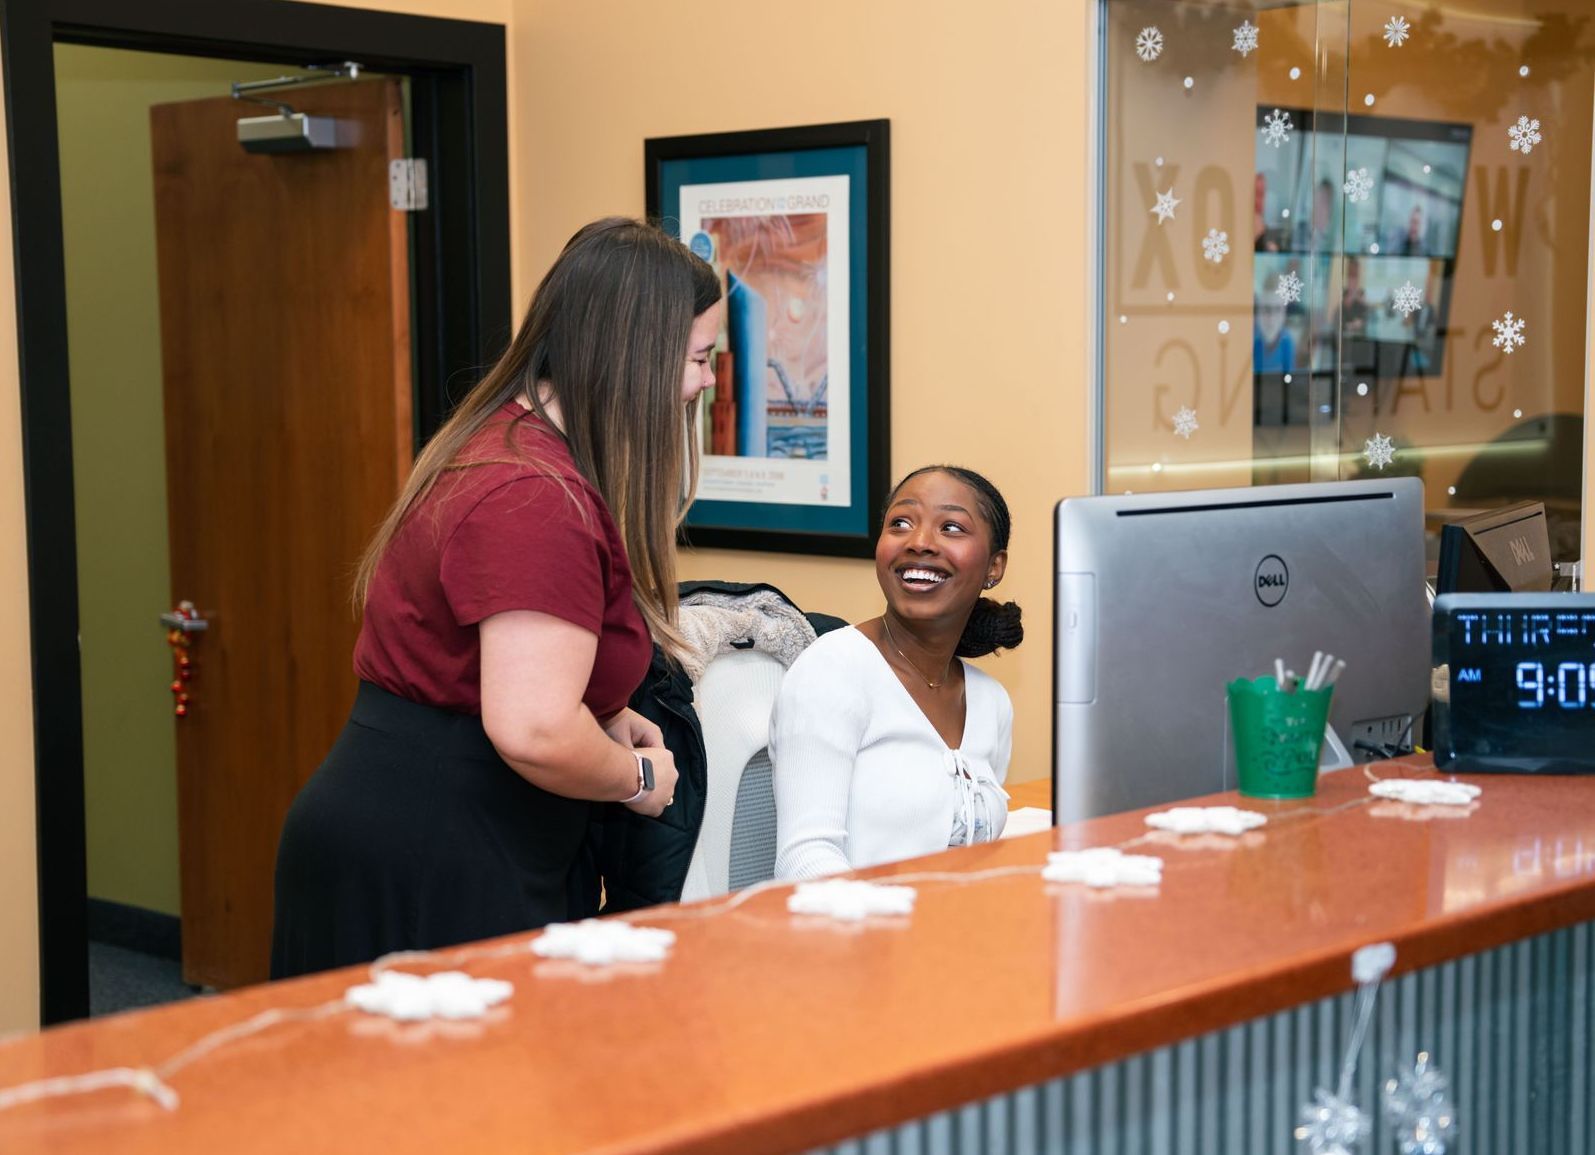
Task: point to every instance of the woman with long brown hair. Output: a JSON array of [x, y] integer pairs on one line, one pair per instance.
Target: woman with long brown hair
[[511, 601]]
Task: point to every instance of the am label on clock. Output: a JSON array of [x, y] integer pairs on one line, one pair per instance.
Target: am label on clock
[[1521, 686]]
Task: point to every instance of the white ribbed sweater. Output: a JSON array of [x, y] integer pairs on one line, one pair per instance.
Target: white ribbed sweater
[[862, 777]]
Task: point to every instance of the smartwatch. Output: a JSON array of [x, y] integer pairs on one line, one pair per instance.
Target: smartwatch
[[645, 778]]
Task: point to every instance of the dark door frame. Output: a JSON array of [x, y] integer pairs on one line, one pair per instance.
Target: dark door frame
[[460, 274]]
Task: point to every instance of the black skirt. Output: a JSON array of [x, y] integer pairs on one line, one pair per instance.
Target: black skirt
[[414, 834]]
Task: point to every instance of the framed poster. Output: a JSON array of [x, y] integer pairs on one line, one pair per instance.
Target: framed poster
[[794, 435]]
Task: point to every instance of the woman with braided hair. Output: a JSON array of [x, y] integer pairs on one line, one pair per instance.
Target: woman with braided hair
[[886, 745]]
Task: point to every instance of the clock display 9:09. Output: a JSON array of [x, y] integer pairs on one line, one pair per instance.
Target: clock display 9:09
[[1568, 685]]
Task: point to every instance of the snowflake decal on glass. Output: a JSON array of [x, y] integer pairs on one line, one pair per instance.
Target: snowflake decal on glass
[[1417, 1105], [1245, 38], [1508, 332], [1276, 128], [1215, 246], [1185, 422], [1407, 299], [1332, 1126], [1149, 44], [1525, 135], [1396, 31], [1289, 287], [1358, 186], [1165, 205], [1379, 450]]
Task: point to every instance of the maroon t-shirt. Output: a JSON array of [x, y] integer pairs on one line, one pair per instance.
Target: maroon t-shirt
[[505, 534]]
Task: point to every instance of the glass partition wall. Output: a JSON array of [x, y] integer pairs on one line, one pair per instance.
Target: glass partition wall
[[1349, 238]]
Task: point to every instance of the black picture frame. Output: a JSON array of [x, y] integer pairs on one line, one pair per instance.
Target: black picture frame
[[783, 208]]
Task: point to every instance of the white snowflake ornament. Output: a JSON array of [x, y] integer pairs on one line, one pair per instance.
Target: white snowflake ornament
[[1407, 299], [1185, 422], [1165, 205], [1206, 820], [1508, 332], [1215, 246], [1102, 867], [1149, 44], [1277, 128], [1396, 31], [1358, 186], [1525, 134], [1332, 1126], [1426, 791], [412, 998], [601, 942], [1417, 1105], [1245, 38], [1379, 451], [850, 900], [1289, 287]]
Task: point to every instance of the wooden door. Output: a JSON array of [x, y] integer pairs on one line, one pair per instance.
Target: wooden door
[[285, 343]]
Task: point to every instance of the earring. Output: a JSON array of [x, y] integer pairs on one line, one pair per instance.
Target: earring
[[991, 583]]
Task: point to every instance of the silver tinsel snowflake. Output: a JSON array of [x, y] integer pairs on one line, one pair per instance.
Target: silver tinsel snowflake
[[1379, 450], [1508, 332], [1396, 31], [1215, 246], [1245, 38], [1525, 135], [1418, 1106], [1276, 128], [1165, 205], [1407, 300], [1185, 422], [1149, 44], [1289, 287], [1332, 1126], [1358, 185]]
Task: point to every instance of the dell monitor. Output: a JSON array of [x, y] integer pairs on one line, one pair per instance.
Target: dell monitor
[[1163, 598], [1503, 551]]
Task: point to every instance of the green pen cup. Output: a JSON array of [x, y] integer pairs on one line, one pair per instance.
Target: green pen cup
[[1278, 737]]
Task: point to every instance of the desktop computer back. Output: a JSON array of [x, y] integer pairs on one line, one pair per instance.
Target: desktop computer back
[[1163, 598]]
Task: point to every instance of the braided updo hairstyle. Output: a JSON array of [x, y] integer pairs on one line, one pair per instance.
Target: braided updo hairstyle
[[993, 625]]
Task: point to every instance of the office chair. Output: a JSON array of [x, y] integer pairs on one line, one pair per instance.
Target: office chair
[[736, 846]]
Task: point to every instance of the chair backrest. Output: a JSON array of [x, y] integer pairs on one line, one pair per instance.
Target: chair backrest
[[736, 846]]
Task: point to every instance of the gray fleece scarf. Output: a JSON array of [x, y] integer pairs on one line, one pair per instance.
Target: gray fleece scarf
[[718, 623]]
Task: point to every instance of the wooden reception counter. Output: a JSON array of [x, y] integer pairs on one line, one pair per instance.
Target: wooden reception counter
[[766, 1031]]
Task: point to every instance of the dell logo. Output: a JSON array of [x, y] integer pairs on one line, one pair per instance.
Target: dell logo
[[1271, 581], [1520, 550]]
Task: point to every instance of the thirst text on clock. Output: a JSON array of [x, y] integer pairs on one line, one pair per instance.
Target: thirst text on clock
[[1525, 627]]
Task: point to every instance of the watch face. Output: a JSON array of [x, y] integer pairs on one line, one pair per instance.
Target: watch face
[[1520, 691], [645, 771]]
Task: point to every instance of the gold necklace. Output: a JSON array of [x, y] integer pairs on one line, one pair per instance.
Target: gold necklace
[[885, 625]]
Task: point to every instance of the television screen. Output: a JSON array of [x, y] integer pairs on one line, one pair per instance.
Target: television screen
[[1398, 242]]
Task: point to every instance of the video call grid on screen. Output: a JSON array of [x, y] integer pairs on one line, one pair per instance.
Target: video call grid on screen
[[1406, 230]]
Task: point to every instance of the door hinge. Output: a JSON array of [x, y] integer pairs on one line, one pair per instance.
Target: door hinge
[[407, 184]]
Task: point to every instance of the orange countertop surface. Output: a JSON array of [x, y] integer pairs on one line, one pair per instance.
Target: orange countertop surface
[[765, 1031]]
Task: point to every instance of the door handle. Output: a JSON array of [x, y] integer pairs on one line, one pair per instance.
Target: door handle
[[180, 623], [185, 618]]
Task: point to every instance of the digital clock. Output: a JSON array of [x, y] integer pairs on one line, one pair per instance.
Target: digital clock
[[1518, 693]]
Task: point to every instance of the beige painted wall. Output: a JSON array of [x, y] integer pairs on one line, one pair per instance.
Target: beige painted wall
[[989, 268]]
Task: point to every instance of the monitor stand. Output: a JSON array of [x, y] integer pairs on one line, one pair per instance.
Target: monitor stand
[[1334, 755]]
